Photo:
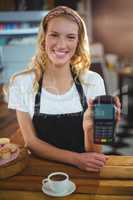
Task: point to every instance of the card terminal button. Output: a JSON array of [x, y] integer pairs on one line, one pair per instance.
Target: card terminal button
[[103, 140]]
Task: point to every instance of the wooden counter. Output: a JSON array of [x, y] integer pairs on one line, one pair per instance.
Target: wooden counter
[[114, 182]]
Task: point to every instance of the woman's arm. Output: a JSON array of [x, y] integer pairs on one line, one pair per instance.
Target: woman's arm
[[86, 161], [39, 147], [89, 144], [88, 131]]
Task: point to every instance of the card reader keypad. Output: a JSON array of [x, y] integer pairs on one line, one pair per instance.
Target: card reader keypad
[[104, 133]]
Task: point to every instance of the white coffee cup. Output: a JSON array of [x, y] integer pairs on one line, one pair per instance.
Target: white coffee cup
[[58, 182]]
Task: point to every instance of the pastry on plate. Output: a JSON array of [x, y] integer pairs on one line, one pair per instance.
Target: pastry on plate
[[7, 149], [12, 147], [5, 153], [4, 141]]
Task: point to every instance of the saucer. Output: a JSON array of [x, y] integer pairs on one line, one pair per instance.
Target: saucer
[[46, 189]]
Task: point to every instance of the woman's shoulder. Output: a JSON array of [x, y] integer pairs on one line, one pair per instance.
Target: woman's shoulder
[[91, 77], [23, 80]]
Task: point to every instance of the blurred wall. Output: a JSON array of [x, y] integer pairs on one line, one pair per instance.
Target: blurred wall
[[113, 25], [7, 5]]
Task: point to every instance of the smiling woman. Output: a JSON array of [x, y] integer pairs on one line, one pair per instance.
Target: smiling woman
[[52, 96]]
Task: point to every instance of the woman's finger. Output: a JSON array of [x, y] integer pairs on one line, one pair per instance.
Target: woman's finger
[[118, 109], [91, 169], [90, 102], [117, 102]]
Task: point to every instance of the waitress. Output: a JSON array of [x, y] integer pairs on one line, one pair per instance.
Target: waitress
[[52, 97]]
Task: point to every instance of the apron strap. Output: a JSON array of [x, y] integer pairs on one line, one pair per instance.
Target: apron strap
[[80, 90], [38, 98]]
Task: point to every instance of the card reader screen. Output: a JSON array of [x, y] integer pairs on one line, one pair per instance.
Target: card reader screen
[[104, 111]]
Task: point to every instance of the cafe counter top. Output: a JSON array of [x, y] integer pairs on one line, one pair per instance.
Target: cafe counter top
[[114, 182]]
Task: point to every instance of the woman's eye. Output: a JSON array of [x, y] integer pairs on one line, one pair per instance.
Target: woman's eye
[[54, 35], [71, 38]]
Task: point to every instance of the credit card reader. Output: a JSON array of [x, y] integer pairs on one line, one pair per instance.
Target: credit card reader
[[104, 119]]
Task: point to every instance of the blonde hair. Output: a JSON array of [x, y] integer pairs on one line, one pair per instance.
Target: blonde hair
[[81, 59]]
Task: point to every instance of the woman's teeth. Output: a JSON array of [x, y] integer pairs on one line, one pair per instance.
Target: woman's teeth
[[60, 53]]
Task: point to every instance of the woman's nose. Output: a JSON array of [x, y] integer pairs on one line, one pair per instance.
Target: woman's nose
[[61, 43]]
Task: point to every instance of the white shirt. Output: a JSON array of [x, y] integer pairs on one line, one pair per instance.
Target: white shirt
[[22, 97]]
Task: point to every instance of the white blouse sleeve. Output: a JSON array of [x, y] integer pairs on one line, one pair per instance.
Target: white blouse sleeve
[[17, 95], [95, 85], [99, 88]]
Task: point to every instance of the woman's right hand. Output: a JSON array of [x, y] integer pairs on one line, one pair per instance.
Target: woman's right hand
[[91, 161]]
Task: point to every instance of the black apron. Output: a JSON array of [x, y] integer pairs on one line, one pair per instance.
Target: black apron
[[64, 131]]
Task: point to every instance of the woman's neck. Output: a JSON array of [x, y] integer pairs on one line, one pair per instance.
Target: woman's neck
[[58, 79], [58, 72]]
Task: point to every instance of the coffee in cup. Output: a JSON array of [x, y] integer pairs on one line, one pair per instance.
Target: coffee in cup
[[58, 182]]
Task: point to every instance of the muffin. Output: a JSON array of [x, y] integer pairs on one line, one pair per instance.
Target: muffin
[[5, 153], [4, 141], [7, 148], [12, 147]]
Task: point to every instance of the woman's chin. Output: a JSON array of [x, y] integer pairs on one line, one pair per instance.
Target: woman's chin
[[60, 63]]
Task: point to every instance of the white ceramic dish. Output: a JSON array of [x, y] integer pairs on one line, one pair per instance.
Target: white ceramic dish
[[71, 188]]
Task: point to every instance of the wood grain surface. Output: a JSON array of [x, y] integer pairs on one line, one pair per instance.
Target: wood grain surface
[[40, 196], [113, 180]]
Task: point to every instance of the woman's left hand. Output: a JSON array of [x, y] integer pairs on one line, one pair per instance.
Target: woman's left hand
[[88, 119], [88, 124]]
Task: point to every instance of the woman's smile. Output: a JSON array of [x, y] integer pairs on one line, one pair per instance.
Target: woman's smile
[[60, 54]]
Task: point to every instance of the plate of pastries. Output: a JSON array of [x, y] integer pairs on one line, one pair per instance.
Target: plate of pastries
[[8, 151]]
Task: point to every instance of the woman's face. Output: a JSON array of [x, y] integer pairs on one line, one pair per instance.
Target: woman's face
[[61, 40]]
